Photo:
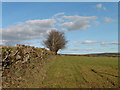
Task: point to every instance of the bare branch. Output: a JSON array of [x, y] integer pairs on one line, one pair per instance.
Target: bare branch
[[55, 41]]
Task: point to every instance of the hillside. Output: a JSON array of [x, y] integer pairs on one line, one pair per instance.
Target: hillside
[[95, 54], [30, 67], [106, 54]]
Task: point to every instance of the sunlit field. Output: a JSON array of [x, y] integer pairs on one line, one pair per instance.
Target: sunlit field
[[82, 72], [67, 72]]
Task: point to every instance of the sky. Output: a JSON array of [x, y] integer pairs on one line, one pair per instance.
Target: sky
[[89, 27]]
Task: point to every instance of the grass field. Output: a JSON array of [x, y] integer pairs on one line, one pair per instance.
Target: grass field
[[69, 72], [82, 72]]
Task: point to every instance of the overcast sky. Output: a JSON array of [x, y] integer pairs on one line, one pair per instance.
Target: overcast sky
[[89, 27]]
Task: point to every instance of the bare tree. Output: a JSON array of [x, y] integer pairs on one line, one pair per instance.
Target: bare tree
[[55, 41]]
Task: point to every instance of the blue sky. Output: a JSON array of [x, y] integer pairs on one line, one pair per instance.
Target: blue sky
[[90, 27]]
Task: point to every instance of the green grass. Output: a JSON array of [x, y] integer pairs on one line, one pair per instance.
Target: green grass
[[69, 72], [76, 72]]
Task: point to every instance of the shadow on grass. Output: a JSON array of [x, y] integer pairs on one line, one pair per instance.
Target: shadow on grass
[[104, 73]]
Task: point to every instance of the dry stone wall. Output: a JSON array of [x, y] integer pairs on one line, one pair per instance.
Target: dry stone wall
[[22, 53]]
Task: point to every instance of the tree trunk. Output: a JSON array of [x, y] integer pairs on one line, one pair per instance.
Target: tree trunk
[[55, 53]]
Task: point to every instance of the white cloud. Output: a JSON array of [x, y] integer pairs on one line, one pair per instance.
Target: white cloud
[[85, 42], [58, 14], [100, 42], [58, 17], [94, 42], [107, 19], [79, 17], [28, 30], [89, 42], [38, 29], [77, 25], [45, 23], [115, 43], [104, 43], [110, 43], [32, 29], [96, 22], [32, 42], [77, 22], [2, 42], [89, 49], [85, 49], [100, 6]]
